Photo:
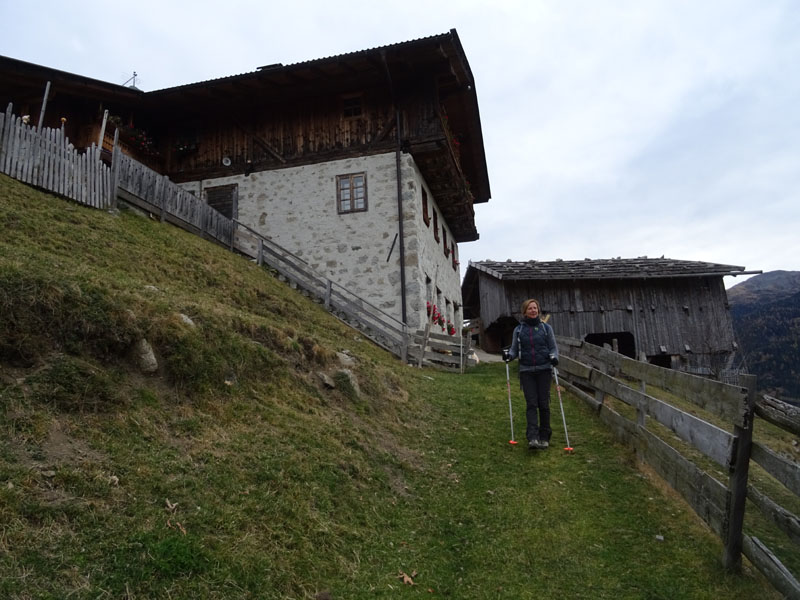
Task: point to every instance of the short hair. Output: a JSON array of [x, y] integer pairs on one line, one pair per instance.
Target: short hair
[[527, 303]]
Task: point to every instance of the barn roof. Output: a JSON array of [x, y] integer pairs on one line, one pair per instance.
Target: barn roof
[[612, 268]]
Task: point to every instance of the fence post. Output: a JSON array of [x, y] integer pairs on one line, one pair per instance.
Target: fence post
[[640, 413], [737, 485], [102, 131], [404, 347], [328, 289], [44, 106], [115, 160]]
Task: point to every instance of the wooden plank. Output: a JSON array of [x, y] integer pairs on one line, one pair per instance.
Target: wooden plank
[[783, 469], [724, 400], [784, 415], [709, 439], [573, 367], [3, 128], [785, 520], [772, 568], [703, 493], [588, 398]]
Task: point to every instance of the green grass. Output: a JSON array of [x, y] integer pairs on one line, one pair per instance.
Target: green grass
[[233, 472]]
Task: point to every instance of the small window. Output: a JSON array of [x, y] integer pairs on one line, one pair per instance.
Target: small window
[[445, 247], [351, 106], [425, 216], [453, 254], [351, 192], [436, 227], [224, 199]]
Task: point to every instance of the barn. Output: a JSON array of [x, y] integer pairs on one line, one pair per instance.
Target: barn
[[673, 313]]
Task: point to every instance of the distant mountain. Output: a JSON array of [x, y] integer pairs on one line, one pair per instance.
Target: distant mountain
[[765, 311], [767, 287]]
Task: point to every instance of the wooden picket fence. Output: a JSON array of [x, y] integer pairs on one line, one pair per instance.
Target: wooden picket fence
[[601, 377], [141, 186], [44, 158]]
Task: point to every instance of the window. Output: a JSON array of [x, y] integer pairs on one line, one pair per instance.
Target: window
[[453, 254], [224, 199], [425, 216], [435, 227], [351, 192], [351, 106], [445, 247]]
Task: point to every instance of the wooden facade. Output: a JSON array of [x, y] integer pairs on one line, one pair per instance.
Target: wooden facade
[[674, 313]]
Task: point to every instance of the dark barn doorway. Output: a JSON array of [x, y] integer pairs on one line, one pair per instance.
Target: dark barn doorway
[[626, 345]]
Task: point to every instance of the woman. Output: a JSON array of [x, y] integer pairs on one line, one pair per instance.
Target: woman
[[535, 345]]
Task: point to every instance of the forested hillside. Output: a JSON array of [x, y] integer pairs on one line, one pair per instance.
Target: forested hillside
[[766, 317]]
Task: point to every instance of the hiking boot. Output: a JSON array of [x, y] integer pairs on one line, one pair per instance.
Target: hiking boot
[[535, 445], [544, 444]]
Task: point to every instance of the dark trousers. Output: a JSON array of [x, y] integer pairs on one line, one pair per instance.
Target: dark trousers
[[536, 389]]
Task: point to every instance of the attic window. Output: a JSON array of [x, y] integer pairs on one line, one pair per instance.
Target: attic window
[[351, 193], [351, 106], [224, 199]]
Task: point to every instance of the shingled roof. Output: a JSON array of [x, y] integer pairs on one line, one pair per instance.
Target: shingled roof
[[613, 268]]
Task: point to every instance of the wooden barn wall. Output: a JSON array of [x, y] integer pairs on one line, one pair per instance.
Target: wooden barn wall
[[494, 300], [668, 312], [293, 133]]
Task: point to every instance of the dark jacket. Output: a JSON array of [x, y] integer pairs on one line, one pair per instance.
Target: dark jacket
[[535, 344]]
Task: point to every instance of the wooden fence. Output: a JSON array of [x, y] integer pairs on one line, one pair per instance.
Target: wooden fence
[[440, 350], [145, 188], [599, 375], [44, 158]]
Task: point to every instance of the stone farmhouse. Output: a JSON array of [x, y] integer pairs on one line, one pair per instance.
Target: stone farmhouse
[[672, 313], [365, 165]]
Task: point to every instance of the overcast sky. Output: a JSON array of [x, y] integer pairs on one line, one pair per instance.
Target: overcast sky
[[612, 127]]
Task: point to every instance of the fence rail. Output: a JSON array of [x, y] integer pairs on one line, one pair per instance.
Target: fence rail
[[596, 374]]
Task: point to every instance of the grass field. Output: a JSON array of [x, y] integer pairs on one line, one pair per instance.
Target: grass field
[[235, 472]]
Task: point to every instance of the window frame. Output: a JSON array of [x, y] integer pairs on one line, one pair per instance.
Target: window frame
[[435, 226], [425, 216], [351, 191], [349, 106]]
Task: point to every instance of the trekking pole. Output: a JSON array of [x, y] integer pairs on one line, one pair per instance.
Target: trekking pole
[[561, 404], [510, 412]]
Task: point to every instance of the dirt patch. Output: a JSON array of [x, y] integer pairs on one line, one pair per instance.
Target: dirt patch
[[58, 448]]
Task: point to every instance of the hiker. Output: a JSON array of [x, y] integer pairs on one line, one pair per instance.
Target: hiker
[[535, 345]]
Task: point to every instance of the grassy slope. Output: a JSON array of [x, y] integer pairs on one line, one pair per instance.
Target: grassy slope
[[234, 473]]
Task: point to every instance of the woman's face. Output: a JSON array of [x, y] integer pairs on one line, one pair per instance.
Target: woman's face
[[532, 311]]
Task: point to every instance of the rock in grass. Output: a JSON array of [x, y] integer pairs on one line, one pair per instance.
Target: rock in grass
[[144, 357]]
